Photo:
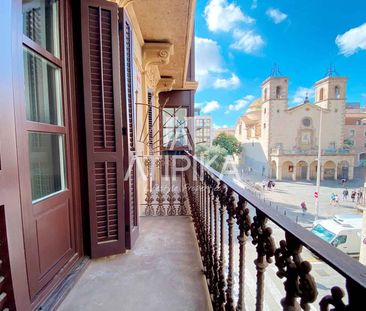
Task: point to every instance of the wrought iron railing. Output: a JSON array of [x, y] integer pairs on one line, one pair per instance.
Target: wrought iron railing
[[226, 217]]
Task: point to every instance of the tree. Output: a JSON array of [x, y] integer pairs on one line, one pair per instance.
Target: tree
[[215, 155], [229, 143]]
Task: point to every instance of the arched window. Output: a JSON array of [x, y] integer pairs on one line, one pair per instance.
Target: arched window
[[265, 110], [265, 94], [278, 92], [240, 129], [321, 94], [337, 92]]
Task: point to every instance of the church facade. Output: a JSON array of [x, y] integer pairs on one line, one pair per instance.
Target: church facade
[[281, 142]]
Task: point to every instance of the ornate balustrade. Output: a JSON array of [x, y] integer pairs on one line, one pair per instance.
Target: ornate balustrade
[[227, 218]]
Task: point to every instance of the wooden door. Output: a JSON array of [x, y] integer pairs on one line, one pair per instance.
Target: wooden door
[[102, 105], [129, 129], [45, 149]]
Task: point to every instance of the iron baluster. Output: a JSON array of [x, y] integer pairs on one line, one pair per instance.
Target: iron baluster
[[265, 247]]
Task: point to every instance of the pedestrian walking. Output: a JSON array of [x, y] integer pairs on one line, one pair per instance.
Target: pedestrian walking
[[264, 183], [269, 185], [303, 207], [332, 198], [353, 196], [336, 199], [359, 196], [345, 194]]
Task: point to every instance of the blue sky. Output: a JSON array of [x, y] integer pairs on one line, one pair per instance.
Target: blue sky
[[237, 43]]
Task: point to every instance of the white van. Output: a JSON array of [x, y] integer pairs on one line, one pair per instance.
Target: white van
[[342, 231]]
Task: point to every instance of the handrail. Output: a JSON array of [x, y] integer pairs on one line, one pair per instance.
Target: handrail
[[339, 261], [220, 208]]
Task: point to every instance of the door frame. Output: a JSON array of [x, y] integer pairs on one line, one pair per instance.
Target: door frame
[[68, 87]]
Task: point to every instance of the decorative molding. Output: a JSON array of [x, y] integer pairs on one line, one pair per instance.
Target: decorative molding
[[156, 53], [165, 84], [190, 85], [124, 3], [152, 77]]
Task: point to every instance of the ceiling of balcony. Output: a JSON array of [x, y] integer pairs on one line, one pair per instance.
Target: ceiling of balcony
[[168, 21]]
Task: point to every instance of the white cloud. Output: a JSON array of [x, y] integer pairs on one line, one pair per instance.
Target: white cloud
[[223, 16], [254, 4], [363, 94], [208, 60], [301, 93], [231, 82], [217, 126], [211, 106], [276, 15], [352, 40], [247, 41], [209, 66], [240, 103]]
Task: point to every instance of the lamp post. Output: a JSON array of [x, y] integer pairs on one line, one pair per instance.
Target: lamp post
[[319, 165]]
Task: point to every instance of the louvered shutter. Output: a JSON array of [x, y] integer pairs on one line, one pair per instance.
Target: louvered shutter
[[150, 117], [102, 104], [129, 122]]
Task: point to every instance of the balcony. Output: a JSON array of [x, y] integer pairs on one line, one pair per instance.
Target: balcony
[[252, 257], [162, 272], [311, 152]]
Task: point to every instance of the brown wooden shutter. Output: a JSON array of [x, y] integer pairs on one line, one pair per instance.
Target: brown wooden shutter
[[129, 122], [150, 117], [103, 126]]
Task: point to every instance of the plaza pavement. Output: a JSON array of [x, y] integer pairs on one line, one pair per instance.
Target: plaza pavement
[[287, 196]]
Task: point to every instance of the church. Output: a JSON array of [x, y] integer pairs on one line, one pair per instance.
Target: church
[[281, 141]]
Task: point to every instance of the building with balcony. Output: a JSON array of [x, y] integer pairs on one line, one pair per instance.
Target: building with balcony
[[203, 131], [355, 131], [95, 141], [281, 141]]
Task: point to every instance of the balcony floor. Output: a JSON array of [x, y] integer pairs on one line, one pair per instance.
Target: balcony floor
[[162, 272]]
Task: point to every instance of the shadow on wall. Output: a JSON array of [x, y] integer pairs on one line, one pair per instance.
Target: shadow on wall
[[254, 158]]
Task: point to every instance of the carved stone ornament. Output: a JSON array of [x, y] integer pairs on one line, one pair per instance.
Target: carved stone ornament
[[152, 77], [165, 84], [156, 53]]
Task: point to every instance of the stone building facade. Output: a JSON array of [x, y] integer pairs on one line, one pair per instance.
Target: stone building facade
[[281, 142]]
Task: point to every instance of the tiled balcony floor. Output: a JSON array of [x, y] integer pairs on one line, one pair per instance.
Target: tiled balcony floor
[[162, 272]]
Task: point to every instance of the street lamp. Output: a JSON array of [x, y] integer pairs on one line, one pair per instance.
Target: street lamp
[[319, 163]]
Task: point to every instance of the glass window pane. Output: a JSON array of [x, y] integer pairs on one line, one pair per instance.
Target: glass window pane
[[168, 117], [42, 90], [41, 23], [181, 115], [47, 164]]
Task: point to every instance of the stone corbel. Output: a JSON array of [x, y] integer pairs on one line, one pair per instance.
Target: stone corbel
[[156, 53], [165, 84]]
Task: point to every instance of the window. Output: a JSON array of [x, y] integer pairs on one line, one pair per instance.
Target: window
[[47, 164], [352, 133], [265, 94], [364, 144], [306, 122], [337, 92], [339, 240], [264, 125], [42, 89], [278, 92], [41, 24], [240, 129], [43, 97], [175, 128], [364, 134], [321, 94], [265, 110]]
